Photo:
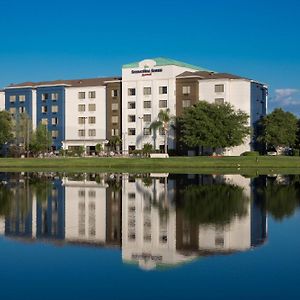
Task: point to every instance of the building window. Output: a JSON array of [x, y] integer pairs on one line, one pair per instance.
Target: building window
[[54, 134], [147, 118], [81, 107], [115, 131], [131, 105], [81, 132], [45, 96], [92, 107], [147, 104], [44, 109], [186, 103], [131, 131], [81, 95], [186, 90], [161, 131], [54, 96], [219, 88], [21, 98], [92, 120], [163, 103], [54, 108], [12, 98], [54, 121], [163, 90], [131, 118], [44, 121], [147, 90], [114, 93], [115, 106], [22, 109], [12, 110], [219, 101], [131, 92], [92, 94], [81, 120], [92, 132], [147, 131], [114, 119]]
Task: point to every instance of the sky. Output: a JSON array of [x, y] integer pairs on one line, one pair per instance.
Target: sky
[[59, 39]]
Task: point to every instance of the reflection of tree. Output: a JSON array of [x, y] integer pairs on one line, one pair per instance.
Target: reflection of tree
[[282, 199], [41, 187], [6, 196], [214, 204]]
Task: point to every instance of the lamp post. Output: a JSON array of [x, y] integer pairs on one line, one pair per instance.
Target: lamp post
[[123, 143]]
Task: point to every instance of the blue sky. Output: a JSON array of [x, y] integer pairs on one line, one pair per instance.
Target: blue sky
[[45, 40]]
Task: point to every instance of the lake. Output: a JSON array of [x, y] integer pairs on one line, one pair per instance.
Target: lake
[[149, 236]]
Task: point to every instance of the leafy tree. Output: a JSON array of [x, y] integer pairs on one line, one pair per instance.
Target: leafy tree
[[213, 125], [147, 149], [41, 140], [115, 142], [5, 127], [278, 129], [99, 148], [23, 132], [163, 121]]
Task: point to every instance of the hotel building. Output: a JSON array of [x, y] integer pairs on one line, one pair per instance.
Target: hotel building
[[87, 112]]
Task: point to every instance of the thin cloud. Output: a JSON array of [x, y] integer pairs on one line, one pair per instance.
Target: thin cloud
[[286, 97]]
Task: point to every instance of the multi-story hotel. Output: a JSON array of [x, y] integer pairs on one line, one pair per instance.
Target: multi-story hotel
[[87, 112]]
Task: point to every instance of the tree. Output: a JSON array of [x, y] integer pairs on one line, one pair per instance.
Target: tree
[[213, 125], [23, 132], [41, 140], [115, 142], [163, 121], [147, 149], [99, 148], [278, 129], [5, 127]]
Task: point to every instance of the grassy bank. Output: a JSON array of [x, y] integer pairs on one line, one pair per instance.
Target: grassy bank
[[244, 165]]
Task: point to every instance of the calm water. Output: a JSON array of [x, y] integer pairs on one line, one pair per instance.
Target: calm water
[[155, 236]]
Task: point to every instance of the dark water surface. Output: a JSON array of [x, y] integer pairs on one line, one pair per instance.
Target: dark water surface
[[154, 236]]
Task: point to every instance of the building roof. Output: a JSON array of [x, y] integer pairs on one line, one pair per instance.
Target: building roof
[[161, 61], [210, 75], [68, 82]]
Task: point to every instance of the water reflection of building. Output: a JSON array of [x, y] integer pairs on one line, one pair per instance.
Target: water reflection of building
[[67, 209], [150, 216], [149, 223]]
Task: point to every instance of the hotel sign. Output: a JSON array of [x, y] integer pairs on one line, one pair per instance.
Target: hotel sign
[[146, 71]]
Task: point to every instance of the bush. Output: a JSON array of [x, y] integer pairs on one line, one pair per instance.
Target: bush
[[250, 153], [295, 152]]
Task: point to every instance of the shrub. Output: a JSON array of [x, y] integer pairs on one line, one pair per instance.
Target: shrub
[[295, 152], [250, 153]]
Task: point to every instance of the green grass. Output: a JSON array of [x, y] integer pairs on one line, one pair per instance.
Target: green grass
[[244, 165]]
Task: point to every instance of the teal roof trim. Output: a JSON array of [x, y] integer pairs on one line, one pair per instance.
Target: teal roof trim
[[161, 61]]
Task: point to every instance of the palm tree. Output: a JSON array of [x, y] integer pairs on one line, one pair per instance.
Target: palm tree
[[163, 121]]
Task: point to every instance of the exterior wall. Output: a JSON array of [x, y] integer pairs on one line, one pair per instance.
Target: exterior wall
[[85, 207], [154, 80], [17, 105], [113, 128], [72, 137], [237, 92], [60, 115], [2, 100]]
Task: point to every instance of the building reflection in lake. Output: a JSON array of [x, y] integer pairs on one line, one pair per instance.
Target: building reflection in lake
[[159, 220]]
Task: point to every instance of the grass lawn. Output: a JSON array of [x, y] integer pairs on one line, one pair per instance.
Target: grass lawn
[[244, 164]]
